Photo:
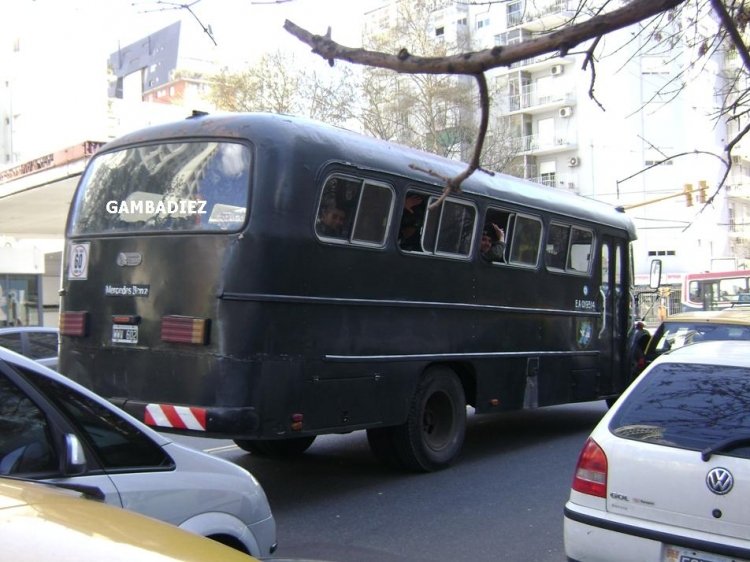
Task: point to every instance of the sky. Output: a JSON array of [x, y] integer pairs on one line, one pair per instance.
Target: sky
[[241, 28], [61, 77]]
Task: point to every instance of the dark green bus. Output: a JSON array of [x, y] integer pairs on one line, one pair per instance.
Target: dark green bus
[[269, 279]]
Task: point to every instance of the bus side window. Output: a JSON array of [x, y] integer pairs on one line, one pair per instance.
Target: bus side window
[[527, 237], [581, 242], [502, 220], [695, 291], [456, 228], [338, 204], [373, 212], [556, 252], [449, 228], [412, 221], [354, 210]]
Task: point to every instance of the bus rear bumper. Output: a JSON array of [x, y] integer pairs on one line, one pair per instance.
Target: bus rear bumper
[[225, 422]]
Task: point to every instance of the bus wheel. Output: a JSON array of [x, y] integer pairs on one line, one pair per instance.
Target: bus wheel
[[276, 448], [434, 431]]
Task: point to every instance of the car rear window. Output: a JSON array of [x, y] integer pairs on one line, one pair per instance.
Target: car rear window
[[688, 406], [677, 334]]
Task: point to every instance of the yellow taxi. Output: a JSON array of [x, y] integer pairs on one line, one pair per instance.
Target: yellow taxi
[[43, 522], [691, 327]]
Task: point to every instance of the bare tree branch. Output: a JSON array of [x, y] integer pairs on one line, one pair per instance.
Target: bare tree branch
[[454, 184], [473, 63], [589, 60], [734, 34], [477, 63], [189, 8]]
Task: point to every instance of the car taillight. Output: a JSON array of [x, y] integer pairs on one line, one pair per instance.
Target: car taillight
[[591, 471], [74, 323], [184, 329]]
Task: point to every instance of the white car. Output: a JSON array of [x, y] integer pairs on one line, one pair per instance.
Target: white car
[[53, 429], [665, 475]]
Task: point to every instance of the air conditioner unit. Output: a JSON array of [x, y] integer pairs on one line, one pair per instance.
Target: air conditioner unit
[[566, 111], [556, 69], [574, 161]]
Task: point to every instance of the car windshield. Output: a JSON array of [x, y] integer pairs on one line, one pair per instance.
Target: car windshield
[[688, 406], [179, 186], [678, 334]]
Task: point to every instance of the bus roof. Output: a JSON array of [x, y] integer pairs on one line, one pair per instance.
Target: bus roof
[[342, 145], [712, 275]]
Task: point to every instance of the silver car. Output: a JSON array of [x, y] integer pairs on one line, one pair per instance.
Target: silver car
[[53, 429]]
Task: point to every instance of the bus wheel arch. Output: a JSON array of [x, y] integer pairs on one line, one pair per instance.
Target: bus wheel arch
[[433, 433]]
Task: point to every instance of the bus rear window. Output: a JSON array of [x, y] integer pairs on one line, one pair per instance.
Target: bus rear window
[[179, 186]]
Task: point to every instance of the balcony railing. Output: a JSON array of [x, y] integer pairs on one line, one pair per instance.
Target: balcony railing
[[534, 143], [530, 97], [548, 14]]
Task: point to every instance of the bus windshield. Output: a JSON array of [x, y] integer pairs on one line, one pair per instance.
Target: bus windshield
[[177, 186]]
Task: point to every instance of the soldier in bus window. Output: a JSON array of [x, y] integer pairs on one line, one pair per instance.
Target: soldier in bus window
[[331, 221], [492, 244], [411, 223]]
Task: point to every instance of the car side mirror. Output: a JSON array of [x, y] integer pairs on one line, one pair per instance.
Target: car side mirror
[[654, 280], [75, 457]]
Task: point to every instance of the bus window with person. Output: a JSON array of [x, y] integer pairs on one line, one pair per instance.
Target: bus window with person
[[269, 279]]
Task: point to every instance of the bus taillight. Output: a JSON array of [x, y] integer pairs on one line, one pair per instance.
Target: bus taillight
[[184, 329], [74, 323]]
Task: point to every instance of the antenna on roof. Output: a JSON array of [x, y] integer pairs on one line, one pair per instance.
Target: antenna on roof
[[197, 113]]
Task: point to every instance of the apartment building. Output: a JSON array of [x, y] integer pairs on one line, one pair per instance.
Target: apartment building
[[605, 137], [57, 106]]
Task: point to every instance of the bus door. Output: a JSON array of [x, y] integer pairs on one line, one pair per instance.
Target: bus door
[[613, 327]]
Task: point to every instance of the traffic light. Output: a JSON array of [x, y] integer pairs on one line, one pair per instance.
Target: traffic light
[[688, 190], [702, 191]]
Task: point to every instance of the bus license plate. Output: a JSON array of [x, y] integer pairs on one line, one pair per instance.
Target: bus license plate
[[124, 333]]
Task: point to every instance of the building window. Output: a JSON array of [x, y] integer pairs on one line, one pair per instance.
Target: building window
[[547, 179], [655, 253], [514, 14], [439, 31]]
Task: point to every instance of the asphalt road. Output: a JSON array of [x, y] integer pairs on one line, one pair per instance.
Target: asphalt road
[[502, 500]]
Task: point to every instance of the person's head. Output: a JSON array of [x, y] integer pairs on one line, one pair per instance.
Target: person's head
[[485, 244], [333, 218]]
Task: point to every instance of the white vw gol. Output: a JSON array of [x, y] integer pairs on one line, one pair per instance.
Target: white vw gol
[[53, 429], [665, 475]]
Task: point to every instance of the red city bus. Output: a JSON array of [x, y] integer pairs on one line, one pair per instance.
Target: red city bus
[[715, 290]]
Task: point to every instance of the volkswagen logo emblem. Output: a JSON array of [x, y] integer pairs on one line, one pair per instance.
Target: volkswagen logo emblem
[[719, 481]]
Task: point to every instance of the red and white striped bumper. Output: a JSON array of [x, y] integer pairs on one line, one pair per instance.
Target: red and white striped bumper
[[175, 417]]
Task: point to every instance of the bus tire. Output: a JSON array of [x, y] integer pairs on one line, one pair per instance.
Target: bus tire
[[276, 448], [434, 431]]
